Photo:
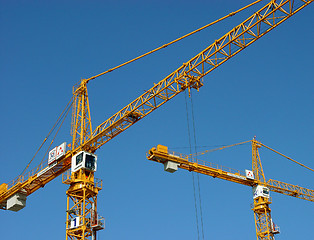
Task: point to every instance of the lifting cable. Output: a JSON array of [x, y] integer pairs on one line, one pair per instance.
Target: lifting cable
[[62, 116], [189, 136], [198, 175], [286, 157], [216, 149], [174, 41], [193, 178]]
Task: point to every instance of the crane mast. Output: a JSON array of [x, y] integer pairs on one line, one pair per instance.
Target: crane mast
[[81, 124], [265, 228], [262, 213], [83, 188]]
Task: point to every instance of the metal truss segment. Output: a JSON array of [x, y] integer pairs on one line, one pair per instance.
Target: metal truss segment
[[291, 190]]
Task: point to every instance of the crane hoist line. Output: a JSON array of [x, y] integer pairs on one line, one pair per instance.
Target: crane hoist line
[[83, 222]]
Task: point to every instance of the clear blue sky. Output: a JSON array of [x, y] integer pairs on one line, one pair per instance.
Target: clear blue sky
[[266, 90]]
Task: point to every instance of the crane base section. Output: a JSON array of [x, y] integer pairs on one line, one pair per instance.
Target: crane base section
[[16, 202]]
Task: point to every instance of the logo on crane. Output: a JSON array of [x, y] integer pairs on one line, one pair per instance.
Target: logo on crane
[[56, 153], [249, 174]]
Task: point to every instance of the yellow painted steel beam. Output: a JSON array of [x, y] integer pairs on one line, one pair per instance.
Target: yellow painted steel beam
[[290, 190], [256, 162], [199, 166], [172, 42], [216, 149], [262, 217], [82, 205], [287, 157], [81, 124], [33, 181]]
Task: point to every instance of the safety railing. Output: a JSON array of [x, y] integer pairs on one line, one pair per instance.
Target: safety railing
[[207, 164], [27, 175]]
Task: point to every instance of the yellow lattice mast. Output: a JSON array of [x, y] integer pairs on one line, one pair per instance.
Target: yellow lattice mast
[[262, 213], [82, 219], [81, 125]]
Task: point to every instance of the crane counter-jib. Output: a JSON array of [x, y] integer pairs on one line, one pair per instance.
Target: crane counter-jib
[[172, 161], [32, 181]]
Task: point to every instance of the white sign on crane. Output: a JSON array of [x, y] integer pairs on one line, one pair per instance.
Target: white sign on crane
[[56, 153], [249, 174]]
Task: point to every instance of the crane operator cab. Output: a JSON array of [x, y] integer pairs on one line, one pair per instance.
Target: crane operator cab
[[260, 191], [84, 160]]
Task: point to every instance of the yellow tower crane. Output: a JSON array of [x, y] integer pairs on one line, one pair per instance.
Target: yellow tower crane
[[255, 178], [83, 220]]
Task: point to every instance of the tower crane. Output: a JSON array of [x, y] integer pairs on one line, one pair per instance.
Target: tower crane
[[255, 178], [83, 220]]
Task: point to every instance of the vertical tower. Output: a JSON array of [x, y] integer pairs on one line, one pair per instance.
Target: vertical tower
[[263, 222], [82, 220], [81, 125]]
